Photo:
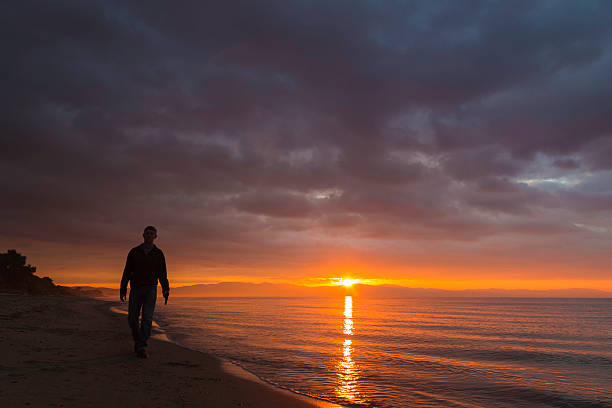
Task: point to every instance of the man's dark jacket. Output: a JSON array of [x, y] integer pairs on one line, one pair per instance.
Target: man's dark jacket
[[143, 269]]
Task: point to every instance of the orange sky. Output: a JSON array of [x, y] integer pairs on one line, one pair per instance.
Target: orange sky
[[80, 265], [390, 143]]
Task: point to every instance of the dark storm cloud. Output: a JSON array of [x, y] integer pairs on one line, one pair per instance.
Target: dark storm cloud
[[236, 123]]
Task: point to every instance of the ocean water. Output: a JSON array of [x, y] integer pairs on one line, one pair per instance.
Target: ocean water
[[416, 352]]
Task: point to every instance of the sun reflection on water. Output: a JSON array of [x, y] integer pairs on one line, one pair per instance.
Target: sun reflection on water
[[348, 315], [347, 369]]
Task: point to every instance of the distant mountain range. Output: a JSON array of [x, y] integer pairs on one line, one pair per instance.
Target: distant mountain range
[[246, 289]]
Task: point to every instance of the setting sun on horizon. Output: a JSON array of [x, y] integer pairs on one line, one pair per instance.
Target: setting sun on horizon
[[346, 282], [380, 151]]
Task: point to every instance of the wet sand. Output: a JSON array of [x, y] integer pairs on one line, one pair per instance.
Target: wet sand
[[75, 352]]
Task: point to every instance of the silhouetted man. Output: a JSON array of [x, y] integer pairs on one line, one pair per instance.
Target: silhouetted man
[[145, 265]]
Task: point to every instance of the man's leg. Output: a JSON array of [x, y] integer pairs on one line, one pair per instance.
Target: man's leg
[[149, 297], [134, 316]]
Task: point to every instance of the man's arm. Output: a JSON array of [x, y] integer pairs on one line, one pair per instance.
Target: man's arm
[[163, 277], [127, 274]]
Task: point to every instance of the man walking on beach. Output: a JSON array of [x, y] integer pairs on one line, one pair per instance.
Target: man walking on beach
[[145, 265]]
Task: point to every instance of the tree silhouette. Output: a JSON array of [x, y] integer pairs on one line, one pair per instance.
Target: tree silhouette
[[17, 277]]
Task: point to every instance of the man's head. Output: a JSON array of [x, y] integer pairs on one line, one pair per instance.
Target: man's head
[[149, 234]]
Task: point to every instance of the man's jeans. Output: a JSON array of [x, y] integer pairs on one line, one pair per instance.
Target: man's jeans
[[142, 297]]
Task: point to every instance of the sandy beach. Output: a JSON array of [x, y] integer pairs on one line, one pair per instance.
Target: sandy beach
[[74, 352]]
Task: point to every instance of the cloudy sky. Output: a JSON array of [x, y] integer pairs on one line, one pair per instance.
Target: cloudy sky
[[437, 143]]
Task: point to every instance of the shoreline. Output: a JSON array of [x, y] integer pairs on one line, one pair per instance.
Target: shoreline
[[227, 365], [75, 351]]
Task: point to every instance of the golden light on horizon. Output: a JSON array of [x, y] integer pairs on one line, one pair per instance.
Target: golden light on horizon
[[346, 282]]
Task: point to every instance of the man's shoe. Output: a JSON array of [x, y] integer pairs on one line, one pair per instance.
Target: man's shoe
[[142, 353]]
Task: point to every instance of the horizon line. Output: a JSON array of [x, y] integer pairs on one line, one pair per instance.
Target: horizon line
[[103, 286]]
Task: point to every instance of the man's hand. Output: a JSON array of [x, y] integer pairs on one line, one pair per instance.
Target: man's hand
[[122, 294], [166, 294]]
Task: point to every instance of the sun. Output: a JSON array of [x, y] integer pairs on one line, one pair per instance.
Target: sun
[[348, 282]]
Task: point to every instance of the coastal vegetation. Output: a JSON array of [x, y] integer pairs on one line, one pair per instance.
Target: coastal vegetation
[[17, 277]]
